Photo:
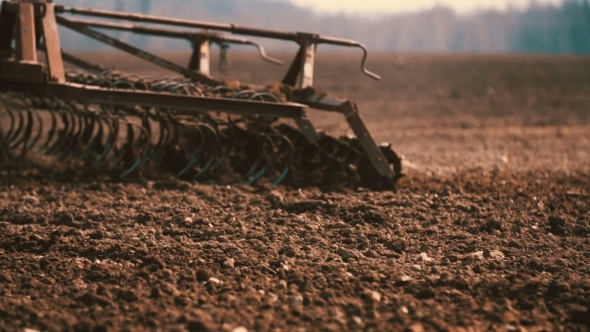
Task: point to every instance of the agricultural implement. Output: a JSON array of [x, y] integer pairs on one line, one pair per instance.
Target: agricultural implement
[[192, 125]]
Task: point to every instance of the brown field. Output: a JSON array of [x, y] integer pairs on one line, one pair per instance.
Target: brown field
[[490, 230]]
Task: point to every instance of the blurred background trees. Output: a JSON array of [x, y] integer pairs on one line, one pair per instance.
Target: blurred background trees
[[563, 29]]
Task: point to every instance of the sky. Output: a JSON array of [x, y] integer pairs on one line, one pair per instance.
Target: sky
[[397, 6]]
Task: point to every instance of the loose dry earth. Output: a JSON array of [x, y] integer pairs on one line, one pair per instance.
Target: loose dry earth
[[490, 230]]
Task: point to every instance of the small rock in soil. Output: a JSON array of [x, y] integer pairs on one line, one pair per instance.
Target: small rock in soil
[[375, 296], [403, 279], [423, 257], [229, 263], [463, 207], [556, 224], [64, 219], [30, 200], [203, 275], [275, 197], [240, 329]]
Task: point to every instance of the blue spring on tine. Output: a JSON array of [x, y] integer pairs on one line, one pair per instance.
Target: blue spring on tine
[[288, 163]]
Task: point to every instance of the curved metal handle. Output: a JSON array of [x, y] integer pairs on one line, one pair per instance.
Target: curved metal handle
[[364, 60], [349, 43], [263, 54], [220, 39]]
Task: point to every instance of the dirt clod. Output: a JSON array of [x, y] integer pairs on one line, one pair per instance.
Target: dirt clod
[[489, 230]]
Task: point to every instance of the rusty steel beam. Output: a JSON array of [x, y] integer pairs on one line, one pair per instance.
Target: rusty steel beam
[[91, 94], [81, 63], [200, 58], [55, 65], [26, 49]]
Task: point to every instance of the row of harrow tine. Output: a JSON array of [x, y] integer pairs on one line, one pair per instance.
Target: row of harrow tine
[[198, 146]]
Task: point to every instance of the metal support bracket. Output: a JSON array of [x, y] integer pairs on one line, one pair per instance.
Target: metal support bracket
[[92, 94], [201, 56], [300, 74], [350, 112]]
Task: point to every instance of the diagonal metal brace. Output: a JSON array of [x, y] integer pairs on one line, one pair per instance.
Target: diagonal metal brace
[[119, 44], [351, 113], [183, 103]]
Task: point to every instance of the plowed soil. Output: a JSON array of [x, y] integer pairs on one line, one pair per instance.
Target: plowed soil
[[490, 230]]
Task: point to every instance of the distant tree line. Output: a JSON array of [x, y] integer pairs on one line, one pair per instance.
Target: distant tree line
[[563, 29]]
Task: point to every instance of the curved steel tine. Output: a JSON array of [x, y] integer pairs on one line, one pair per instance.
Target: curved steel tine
[[162, 142], [71, 137], [262, 95], [52, 129], [95, 140], [84, 134], [17, 131], [194, 156], [162, 135], [242, 93], [288, 163], [223, 89], [143, 137], [62, 134], [173, 134], [264, 169], [86, 137], [195, 90], [101, 138], [36, 139], [213, 149], [145, 124], [257, 135], [69, 147], [28, 132], [6, 140], [258, 159], [182, 87], [232, 145], [166, 86], [122, 83], [226, 146], [113, 126], [146, 130], [15, 138], [127, 148]]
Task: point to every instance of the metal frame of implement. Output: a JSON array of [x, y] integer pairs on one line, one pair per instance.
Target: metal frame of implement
[[35, 22]]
